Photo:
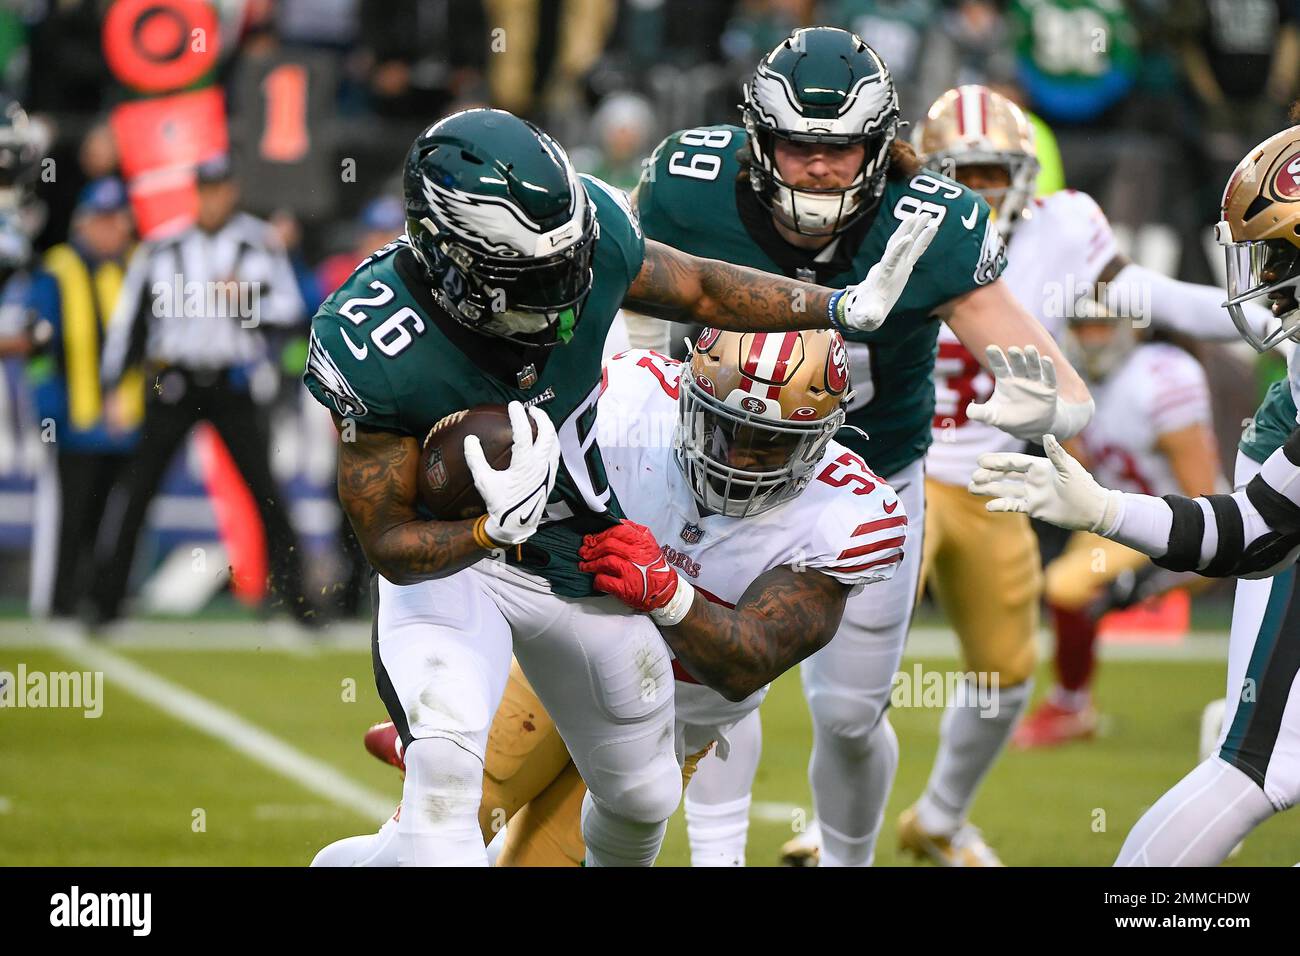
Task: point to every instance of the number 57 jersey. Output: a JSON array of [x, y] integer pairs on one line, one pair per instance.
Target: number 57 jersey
[[846, 523]]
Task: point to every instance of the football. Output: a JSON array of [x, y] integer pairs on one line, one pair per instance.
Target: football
[[445, 484]]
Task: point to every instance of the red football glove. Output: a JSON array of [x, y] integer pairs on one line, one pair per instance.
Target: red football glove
[[629, 564]]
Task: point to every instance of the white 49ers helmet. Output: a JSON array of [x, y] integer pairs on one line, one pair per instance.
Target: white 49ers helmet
[[1260, 235], [972, 125], [757, 410]]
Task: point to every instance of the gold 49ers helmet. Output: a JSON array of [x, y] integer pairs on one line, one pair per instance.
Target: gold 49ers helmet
[[1260, 234], [972, 125], [756, 412]]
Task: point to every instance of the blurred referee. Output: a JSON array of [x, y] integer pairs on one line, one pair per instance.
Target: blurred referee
[[204, 312]]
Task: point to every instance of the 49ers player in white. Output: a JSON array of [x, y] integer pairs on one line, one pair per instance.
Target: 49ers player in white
[[984, 569], [757, 528]]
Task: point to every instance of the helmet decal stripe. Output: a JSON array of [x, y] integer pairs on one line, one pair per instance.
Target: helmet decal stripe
[[749, 368], [779, 370]]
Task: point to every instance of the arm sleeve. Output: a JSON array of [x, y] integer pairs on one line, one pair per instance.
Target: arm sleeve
[[1194, 310], [856, 545], [282, 305], [1250, 533], [128, 328]]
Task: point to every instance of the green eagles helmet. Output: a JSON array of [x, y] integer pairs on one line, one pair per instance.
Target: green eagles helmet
[[502, 225], [820, 85]]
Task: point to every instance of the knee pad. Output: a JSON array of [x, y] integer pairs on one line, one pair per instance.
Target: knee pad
[[651, 797], [443, 788], [848, 718]]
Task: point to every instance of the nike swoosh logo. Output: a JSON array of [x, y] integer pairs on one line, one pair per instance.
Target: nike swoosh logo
[[889, 508], [969, 221], [358, 352]]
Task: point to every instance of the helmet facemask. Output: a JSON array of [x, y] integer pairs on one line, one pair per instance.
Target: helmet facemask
[[1262, 269], [530, 300], [811, 211], [1007, 203], [740, 463]]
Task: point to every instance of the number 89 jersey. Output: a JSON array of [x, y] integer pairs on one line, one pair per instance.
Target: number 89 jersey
[[385, 355], [695, 195]]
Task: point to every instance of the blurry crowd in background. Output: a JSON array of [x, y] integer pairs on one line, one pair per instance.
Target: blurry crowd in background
[[308, 106]]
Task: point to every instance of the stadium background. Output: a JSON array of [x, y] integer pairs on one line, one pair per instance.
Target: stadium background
[[1151, 103]]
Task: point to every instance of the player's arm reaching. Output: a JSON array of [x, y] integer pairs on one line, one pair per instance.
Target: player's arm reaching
[[1035, 389], [784, 615], [377, 475], [1250, 533], [673, 285]]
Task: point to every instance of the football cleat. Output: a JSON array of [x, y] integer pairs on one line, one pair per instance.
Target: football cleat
[[804, 849], [383, 743], [966, 847], [1050, 725]]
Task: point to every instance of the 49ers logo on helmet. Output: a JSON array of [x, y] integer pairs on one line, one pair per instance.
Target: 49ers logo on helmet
[[755, 406], [837, 366], [1286, 184], [706, 339]]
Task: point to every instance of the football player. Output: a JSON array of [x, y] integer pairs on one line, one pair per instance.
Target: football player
[[1062, 257], [502, 291], [1252, 533], [754, 513], [813, 186]]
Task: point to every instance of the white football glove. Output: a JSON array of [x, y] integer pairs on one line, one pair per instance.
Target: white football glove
[[516, 495], [1057, 489], [863, 307], [1024, 402]]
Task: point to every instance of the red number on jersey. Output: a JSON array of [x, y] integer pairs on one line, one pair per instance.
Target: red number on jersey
[[657, 364], [855, 470], [964, 381]]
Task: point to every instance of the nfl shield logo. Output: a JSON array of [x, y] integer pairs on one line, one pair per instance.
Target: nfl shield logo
[[692, 533], [436, 469], [527, 376]]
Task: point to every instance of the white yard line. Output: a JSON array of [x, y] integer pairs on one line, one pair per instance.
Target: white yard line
[[228, 727]]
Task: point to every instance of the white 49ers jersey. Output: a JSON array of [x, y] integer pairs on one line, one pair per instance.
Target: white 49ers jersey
[[847, 522], [1055, 256], [1158, 389]]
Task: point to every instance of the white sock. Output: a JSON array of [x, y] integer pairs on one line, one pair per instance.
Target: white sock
[[971, 736], [440, 799], [613, 840], [371, 849], [1199, 820], [851, 778], [717, 832]]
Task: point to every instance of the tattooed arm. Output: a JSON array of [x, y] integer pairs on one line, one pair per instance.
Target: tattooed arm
[[376, 479], [675, 286], [783, 617]]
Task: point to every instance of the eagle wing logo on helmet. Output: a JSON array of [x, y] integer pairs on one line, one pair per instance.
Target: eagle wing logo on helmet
[[475, 218], [778, 106]]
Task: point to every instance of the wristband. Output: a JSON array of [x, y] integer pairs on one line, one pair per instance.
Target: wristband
[[677, 607], [834, 311], [481, 536]]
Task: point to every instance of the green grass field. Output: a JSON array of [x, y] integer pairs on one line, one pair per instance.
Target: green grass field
[[140, 787]]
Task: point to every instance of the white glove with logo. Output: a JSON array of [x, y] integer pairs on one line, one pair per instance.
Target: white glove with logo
[[1057, 489], [863, 307], [516, 495], [1024, 402]]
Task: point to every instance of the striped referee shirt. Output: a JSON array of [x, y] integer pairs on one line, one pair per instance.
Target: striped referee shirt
[[201, 301]]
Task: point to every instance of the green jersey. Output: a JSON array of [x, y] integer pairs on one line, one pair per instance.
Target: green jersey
[[693, 196], [384, 354], [1272, 425]]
